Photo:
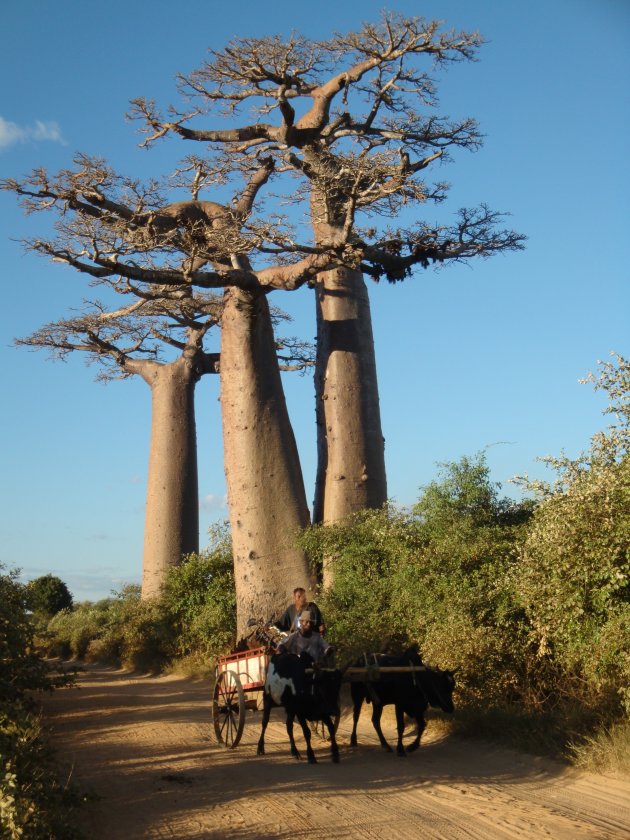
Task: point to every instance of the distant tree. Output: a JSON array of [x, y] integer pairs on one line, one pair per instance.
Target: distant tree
[[350, 119], [48, 595], [131, 341]]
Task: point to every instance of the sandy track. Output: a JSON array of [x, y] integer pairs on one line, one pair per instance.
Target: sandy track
[[145, 746]]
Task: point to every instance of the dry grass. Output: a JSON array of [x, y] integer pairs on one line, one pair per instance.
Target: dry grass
[[607, 751]]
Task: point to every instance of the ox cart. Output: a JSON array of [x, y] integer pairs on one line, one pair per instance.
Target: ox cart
[[240, 681]]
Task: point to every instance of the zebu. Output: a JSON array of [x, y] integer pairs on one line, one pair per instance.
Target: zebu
[[411, 690], [305, 692]]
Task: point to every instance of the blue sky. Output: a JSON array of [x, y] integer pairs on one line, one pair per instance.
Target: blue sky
[[486, 355]]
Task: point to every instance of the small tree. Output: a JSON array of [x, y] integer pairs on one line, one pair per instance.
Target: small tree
[[48, 595]]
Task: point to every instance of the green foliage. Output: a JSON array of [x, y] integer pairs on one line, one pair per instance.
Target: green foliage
[[138, 633], [439, 576], [367, 551], [71, 632], [48, 595], [434, 577], [33, 804], [21, 669], [530, 600], [574, 577], [119, 630], [200, 600]]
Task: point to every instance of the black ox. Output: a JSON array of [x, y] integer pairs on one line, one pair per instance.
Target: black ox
[[306, 693], [411, 693]]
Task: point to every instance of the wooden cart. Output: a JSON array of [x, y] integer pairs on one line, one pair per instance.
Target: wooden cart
[[240, 679]]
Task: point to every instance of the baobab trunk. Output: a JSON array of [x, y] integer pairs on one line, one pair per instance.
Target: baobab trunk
[[351, 456], [172, 508], [265, 487], [351, 469]]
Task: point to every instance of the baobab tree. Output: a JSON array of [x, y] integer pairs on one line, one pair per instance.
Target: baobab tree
[[354, 116], [132, 340], [135, 340], [115, 230]]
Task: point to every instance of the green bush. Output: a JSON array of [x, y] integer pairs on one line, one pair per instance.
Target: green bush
[[70, 632], [200, 600], [121, 630], [33, 804], [574, 575], [138, 634], [530, 600], [48, 595], [440, 576]]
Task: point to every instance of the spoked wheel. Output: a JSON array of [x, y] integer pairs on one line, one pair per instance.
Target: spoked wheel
[[228, 709]]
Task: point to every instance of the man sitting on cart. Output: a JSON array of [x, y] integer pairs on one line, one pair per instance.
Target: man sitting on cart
[[306, 640], [290, 619]]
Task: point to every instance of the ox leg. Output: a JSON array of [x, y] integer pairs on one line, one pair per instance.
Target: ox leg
[[400, 726], [420, 727], [307, 737], [265, 721], [377, 711], [334, 749], [290, 719], [358, 703]]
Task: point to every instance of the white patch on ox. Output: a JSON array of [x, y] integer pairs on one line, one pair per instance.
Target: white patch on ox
[[275, 685]]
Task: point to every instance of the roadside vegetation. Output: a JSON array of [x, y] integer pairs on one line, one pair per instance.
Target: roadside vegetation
[[192, 621], [34, 803], [528, 599]]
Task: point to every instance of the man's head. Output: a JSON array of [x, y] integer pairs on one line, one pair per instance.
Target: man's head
[[306, 623], [299, 597]]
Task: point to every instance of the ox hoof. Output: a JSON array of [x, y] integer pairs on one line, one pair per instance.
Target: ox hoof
[[412, 747], [335, 759], [353, 742], [312, 759], [260, 751], [401, 753]]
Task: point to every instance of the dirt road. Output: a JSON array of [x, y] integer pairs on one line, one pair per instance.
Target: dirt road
[[145, 746]]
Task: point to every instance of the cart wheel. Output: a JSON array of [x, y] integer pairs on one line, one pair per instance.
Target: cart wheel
[[228, 709]]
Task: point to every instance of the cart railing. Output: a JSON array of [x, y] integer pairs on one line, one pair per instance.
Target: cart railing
[[250, 666]]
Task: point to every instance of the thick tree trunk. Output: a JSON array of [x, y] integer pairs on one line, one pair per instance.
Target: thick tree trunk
[[351, 468], [264, 479], [172, 509], [350, 445]]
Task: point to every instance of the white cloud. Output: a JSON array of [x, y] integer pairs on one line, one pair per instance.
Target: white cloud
[[11, 133], [212, 502]]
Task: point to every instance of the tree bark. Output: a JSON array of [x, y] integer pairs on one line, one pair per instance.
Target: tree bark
[[350, 444], [264, 479], [172, 508], [351, 468]]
